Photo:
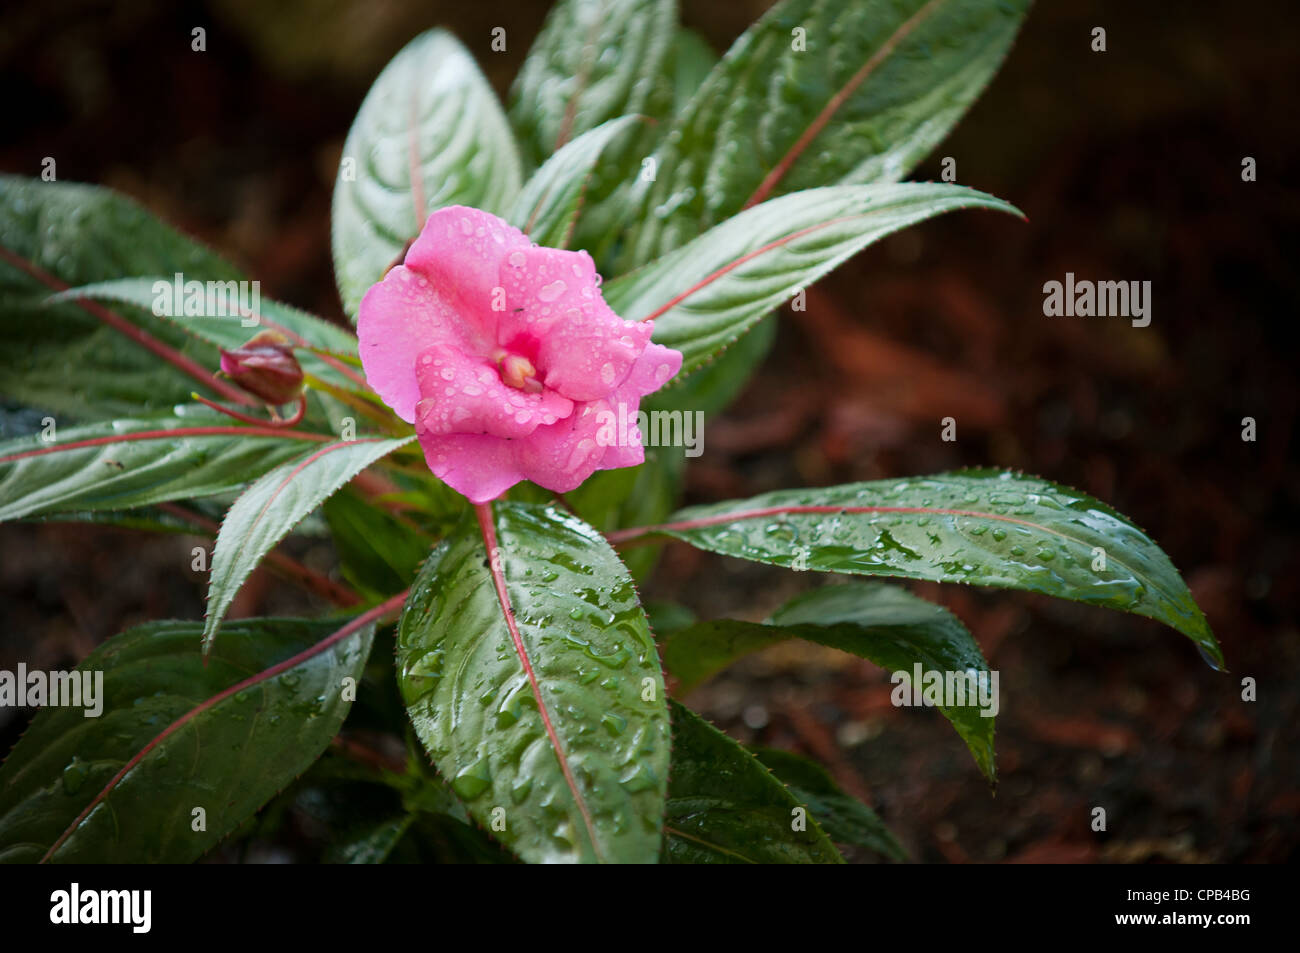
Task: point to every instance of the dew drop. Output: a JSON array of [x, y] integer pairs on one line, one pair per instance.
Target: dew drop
[[552, 291], [473, 780]]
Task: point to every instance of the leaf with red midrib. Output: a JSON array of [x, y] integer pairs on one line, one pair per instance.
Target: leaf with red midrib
[[131, 463], [818, 94], [274, 505], [58, 235], [706, 294], [531, 678], [983, 528], [175, 735], [592, 62], [430, 133]]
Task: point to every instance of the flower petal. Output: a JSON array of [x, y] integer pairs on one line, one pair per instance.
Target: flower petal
[[656, 366], [400, 317], [583, 349], [563, 455], [442, 293], [507, 359], [460, 251], [478, 466], [463, 393]]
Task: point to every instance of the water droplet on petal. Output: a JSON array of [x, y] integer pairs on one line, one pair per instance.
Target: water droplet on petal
[[552, 291]]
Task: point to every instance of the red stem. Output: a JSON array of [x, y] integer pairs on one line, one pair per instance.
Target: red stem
[[126, 328], [275, 422], [371, 758], [360, 622], [488, 527]]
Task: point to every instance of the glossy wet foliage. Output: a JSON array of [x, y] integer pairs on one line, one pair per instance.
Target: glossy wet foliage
[[575, 760], [228, 759], [524, 681]]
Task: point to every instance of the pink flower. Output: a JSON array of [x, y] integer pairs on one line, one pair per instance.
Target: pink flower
[[505, 357]]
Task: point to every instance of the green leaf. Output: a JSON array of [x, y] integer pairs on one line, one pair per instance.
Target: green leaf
[[709, 292], [884, 624], [148, 519], [378, 553], [845, 819], [594, 60], [225, 737], [982, 527], [266, 512], [430, 133], [54, 235], [692, 61], [547, 207], [725, 807], [230, 331], [192, 452], [373, 844], [562, 724], [443, 839], [631, 496], [666, 617], [715, 385], [879, 85]]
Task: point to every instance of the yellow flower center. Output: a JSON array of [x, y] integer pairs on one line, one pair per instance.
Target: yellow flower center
[[518, 372]]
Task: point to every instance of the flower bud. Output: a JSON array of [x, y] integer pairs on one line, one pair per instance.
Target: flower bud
[[265, 367]]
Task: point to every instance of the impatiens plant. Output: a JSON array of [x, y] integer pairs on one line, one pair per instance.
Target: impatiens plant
[[490, 685]]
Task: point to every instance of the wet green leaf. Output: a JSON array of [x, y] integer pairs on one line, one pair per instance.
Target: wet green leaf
[[136, 462], [706, 294], [269, 509], [229, 756], [845, 819], [884, 624], [548, 204], [430, 133], [73, 235], [595, 60], [725, 807], [817, 93], [233, 330], [590, 787], [982, 527]]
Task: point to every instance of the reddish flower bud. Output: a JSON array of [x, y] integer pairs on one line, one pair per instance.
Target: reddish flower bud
[[265, 367]]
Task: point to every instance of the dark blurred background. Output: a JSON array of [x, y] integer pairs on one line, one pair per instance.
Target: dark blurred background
[[1128, 165]]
